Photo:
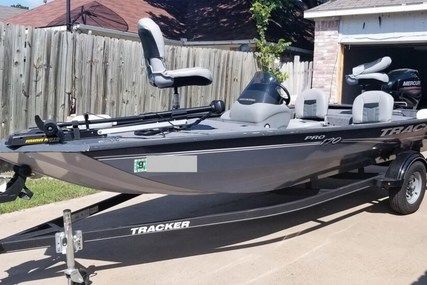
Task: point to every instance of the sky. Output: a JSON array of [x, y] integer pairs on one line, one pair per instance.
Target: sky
[[28, 3]]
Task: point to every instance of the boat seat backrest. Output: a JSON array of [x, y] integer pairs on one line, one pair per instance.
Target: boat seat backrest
[[153, 45], [154, 52], [373, 107], [373, 67], [311, 104]]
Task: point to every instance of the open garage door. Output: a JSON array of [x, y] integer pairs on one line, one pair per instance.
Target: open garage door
[[412, 56]]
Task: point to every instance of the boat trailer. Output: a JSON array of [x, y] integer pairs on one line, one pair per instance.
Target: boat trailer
[[59, 232]]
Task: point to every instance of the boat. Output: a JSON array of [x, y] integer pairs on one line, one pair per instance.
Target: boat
[[263, 143]]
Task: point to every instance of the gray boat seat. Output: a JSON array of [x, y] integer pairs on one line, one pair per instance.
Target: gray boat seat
[[373, 107], [154, 51], [372, 67], [370, 71], [312, 104], [354, 79]]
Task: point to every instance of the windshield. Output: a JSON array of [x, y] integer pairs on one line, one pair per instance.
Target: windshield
[[263, 88]]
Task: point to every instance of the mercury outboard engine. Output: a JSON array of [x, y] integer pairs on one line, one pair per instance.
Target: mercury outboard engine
[[405, 87], [403, 84]]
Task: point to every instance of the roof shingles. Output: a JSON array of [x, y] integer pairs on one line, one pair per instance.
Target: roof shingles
[[130, 10], [8, 12], [333, 5], [196, 20]]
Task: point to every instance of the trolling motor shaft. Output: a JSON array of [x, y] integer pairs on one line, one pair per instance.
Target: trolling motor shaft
[[50, 132]]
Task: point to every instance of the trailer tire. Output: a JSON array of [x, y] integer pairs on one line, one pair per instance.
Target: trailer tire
[[408, 198]]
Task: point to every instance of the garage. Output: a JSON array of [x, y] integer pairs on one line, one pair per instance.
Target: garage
[[403, 56], [349, 33]]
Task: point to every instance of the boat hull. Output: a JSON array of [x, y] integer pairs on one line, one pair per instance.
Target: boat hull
[[256, 162], [80, 169], [256, 171]]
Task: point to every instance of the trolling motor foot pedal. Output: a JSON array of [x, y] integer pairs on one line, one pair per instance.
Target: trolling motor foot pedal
[[16, 186]]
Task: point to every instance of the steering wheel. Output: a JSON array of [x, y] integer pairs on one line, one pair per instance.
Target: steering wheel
[[288, 95]]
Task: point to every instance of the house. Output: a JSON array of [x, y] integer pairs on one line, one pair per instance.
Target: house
[[126, 13], [219, 23], [348, 33], [8, 12]]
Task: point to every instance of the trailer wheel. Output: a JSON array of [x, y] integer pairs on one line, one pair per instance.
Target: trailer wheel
[[408, 198]]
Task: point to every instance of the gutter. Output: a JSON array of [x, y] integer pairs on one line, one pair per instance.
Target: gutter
[[365, 11]]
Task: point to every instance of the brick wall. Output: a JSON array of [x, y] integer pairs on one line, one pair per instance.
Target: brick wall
[[326, 51]]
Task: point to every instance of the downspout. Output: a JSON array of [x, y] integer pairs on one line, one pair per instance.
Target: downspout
[[68, 20]]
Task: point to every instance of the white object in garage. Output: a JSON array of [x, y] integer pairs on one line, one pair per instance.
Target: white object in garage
[[422, 114]]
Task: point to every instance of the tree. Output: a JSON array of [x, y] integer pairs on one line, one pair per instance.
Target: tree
[[267, 53], [19, 6], [313, 3]]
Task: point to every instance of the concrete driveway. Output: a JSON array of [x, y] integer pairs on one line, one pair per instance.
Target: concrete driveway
[[352, 240]]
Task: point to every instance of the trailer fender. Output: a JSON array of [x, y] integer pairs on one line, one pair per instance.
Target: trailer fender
[[395, 174]]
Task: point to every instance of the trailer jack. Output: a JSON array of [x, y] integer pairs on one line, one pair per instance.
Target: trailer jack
[[67, 243]]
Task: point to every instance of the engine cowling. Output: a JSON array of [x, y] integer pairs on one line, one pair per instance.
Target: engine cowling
[[405, 87]]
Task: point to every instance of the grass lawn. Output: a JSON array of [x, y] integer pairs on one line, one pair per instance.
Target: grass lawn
[[46, 190]]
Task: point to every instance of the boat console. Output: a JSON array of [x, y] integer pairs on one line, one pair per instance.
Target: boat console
[[261, 103]]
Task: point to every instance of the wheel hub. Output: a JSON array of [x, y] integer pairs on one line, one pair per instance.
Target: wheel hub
[[413, 189]]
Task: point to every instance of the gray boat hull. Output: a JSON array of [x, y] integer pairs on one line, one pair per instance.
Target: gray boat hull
[[203, 162]]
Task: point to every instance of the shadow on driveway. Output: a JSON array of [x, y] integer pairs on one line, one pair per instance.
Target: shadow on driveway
[[177, 244]]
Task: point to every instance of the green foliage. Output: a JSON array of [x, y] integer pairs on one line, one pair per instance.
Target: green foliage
[[267, 53], [20, 6]]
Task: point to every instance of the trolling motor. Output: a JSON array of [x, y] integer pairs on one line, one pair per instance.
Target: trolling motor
[[51, 132], [16, 188], [403, 84]]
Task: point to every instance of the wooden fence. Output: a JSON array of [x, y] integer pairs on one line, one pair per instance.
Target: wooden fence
[[300, 76], [42, 70]]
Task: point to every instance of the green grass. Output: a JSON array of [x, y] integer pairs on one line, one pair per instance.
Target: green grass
[[46, 190]]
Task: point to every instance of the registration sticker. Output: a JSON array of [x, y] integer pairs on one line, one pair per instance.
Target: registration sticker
[[140, 165]]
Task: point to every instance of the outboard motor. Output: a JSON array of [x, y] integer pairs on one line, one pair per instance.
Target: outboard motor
[[261, 103], [403, 84], [405, 87]]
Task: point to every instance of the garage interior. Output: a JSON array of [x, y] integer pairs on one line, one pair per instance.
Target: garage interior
[[402, 55]]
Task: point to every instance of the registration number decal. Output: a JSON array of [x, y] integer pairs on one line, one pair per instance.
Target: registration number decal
[[140, 165]]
